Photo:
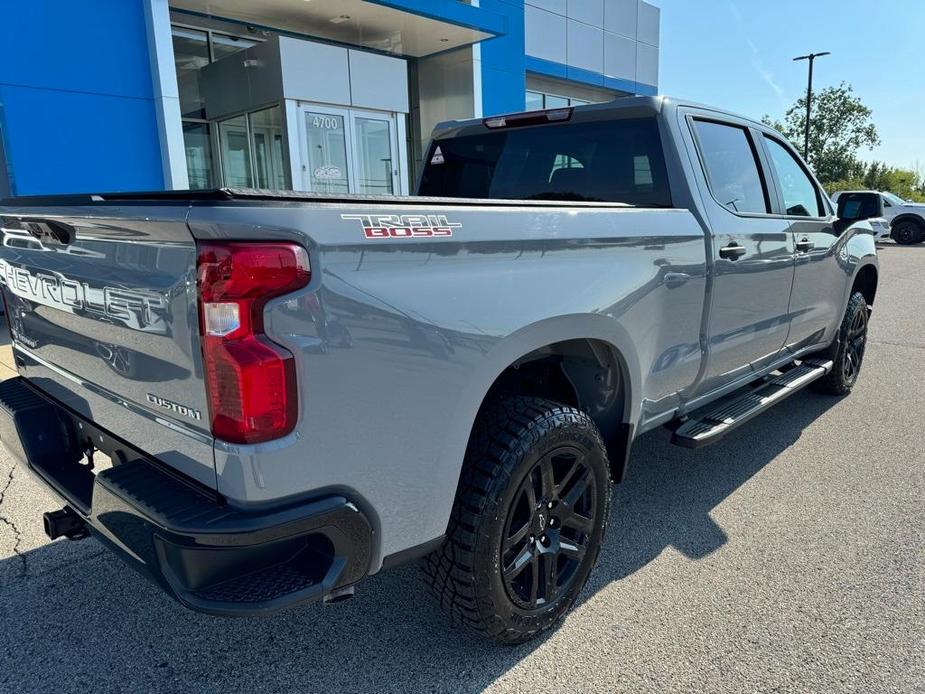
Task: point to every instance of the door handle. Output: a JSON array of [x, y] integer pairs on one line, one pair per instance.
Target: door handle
[[804, 245], [732, 252]]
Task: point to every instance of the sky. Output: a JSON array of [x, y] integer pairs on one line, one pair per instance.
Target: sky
[[738, 55]]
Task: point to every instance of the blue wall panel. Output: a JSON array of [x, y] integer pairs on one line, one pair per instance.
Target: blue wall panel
[[503, 61], [76, 97], [69, 142]]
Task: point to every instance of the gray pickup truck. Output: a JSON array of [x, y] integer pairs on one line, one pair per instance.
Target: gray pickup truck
[[258, 399]]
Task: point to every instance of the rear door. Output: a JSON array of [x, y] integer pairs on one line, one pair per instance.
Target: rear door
[[820, 280], [103, 313], [752, 251]]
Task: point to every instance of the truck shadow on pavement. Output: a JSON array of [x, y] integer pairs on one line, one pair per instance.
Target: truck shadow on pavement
[[74, 617]]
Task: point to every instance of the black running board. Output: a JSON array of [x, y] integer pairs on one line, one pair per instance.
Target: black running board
[[712, 423]]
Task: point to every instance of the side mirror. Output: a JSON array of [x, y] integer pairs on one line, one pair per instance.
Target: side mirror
[[854, 207]]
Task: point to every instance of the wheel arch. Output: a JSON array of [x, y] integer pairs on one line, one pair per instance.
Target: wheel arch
[[865, 281], [908, 217], [587, 361]]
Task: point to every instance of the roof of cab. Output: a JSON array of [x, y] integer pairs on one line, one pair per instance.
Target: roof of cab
[[622, 107]]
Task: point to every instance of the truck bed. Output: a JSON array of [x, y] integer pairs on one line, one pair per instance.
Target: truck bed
[[256, 195]]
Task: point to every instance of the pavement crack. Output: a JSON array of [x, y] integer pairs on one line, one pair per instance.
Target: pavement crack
[[17, 533]]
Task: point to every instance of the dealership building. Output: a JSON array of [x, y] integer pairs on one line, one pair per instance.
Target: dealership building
[[331, 96]]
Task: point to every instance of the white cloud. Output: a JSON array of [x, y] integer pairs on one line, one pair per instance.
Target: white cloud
[[757, 62]]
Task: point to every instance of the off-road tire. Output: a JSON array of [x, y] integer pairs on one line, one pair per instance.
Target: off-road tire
[[511, 441], [908, 232], [847, 352]]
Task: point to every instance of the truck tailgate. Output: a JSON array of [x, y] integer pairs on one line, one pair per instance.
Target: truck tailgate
[[102, 305]]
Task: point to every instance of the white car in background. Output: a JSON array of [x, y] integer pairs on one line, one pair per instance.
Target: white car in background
[[905, 220]]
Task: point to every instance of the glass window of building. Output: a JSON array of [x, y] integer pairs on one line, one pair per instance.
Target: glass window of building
[[224, 45], [537, 101], [191, 54], [193, 50], [197, 139], [267, 139], [374, 155], [236, 152], [326, 139]]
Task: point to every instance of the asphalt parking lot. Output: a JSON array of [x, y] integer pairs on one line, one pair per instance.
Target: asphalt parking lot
[[789, 557]]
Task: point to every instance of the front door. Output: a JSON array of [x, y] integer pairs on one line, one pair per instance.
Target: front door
[[819, 282], [752, 255], [349, 151], [375, 153]]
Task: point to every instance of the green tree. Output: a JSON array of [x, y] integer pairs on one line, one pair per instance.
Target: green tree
[[841, 126], [908, 184]]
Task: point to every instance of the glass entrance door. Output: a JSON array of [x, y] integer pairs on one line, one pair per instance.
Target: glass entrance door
[[374, 143], [324, 162], [349, 151]]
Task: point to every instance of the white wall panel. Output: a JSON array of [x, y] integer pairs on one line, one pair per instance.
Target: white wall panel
[[646, 64], [545, 34], [619, 56], [647, 23], [585, 46], [620, 17], [556, 6], [378, 82], [587, 11]]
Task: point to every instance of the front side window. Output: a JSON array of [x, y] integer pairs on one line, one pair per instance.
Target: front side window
[[731, 167], [890, 200], [800, 196], [612, 161]]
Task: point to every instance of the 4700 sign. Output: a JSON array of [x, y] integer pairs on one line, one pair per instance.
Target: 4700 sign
[[405, 226]]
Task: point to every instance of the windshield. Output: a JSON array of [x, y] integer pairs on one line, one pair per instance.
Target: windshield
[[604, 161], [893, 199]]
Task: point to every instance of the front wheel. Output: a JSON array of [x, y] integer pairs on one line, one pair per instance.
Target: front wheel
[[528, 522], [848, 350], [907, 233]]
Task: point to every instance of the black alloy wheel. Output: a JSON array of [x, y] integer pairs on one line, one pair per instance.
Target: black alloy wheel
[[855, 343], [528, 522], [548, 528]]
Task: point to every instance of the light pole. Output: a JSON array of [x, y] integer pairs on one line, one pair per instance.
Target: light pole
[[809, 97]]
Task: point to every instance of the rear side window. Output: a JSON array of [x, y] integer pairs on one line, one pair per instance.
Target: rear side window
[[607, 161], [800, 197], [731, 167]]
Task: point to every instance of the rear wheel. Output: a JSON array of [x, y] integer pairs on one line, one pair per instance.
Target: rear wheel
[[847, 353], [907, 232], [528, 521]]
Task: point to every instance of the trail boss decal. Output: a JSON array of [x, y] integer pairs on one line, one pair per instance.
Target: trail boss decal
[[405, 226]]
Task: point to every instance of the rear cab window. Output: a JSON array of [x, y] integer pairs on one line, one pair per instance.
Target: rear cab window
[[731, 166], [617, 160]]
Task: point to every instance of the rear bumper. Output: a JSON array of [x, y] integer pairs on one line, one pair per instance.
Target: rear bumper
[[209, 556]]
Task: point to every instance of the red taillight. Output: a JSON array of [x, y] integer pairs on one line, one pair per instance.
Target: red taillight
[[251, 381]]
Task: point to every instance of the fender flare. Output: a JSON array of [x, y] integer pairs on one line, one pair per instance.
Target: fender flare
[[526, 340]]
